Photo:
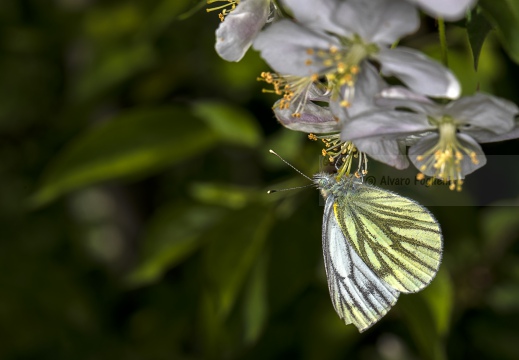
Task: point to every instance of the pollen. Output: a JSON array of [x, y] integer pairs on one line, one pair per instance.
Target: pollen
[[226, 8], [444, 160], [292, 89], [312, 137]]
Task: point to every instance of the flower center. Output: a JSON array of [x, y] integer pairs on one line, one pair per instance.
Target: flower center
[[341, 66], [444, 159], [294, 89], [227, 7], [341, 154]]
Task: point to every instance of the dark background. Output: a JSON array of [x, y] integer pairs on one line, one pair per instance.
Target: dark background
[[134, 217]]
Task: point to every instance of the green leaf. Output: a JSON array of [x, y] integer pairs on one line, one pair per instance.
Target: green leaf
[[504, 14], [439, 296], [422, 326], [478, 28], [230, 196], [234, 124], [255, 303], [137, 142], [173, 234], [232, 250], [112, 68]]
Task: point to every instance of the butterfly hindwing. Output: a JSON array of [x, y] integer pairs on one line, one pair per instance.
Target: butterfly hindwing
[[396, 237], [358, 295]]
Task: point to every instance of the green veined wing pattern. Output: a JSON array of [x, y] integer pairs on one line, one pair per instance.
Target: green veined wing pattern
[[396, 237], [358, 295]]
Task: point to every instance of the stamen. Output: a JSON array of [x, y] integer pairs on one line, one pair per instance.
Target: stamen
[[226, 11], [291, 88], [444, 160]]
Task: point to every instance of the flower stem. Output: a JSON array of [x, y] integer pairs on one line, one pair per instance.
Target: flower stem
[[443, 41]]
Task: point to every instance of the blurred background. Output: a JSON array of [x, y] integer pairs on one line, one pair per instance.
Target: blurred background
[[135, 222]]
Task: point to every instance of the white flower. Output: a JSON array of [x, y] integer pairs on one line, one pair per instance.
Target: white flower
[[447, 9], [242, 20], [444, 138], [338, 39], [316, 119]]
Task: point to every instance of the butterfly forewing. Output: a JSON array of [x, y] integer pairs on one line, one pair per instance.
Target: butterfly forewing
[[396, 237], [359, 295]]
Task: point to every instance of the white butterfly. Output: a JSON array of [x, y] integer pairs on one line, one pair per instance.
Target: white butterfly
[[376, 244]]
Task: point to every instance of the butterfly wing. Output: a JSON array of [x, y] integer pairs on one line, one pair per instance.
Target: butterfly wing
[[358, 295], [396, 237]]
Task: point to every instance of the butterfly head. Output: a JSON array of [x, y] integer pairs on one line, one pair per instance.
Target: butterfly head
[[325, 182]]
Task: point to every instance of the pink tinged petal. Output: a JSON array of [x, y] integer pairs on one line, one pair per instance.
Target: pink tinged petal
[[380, 22], [389, 152], [485, 112], [236, 33], [400, 97], [314, 14], [418, 72], [447, 9], [313, 119], [483, 136], [428, 142], [284, 45], [368, 84], [390, 124], [488, 137]]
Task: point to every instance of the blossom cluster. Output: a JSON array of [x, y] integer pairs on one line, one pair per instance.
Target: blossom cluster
[[330, 61]]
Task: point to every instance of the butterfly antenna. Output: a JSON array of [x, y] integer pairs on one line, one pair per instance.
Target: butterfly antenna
[[292, 166], [293, 188]]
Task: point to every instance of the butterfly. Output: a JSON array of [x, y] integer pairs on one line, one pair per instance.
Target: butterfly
[[376, 245]]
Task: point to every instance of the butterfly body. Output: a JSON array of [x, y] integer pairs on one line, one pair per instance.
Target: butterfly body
[[376, 244]]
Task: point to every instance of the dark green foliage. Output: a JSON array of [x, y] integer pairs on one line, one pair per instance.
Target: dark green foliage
[[135, 222]]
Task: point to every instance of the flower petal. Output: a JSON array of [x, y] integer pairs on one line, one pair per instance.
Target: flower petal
[[368, 84], [418, 72], [384, 124], [377, 21], [236, 33], [390, 152], [483, 136], [483, 111], [284, 45], [315, 14], [313, 118], [447, 9], [400, 97], [428, 142]]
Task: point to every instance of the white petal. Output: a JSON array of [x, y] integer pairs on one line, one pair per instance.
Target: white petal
[[386, 151], [400, 97], [483, 111], [418, 72], [314, 119], [482, 136], [236, 33], [314, 14], [429, 141], [390, 124], [448, 9], [368, 84], [284, 45], [377, 21]]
